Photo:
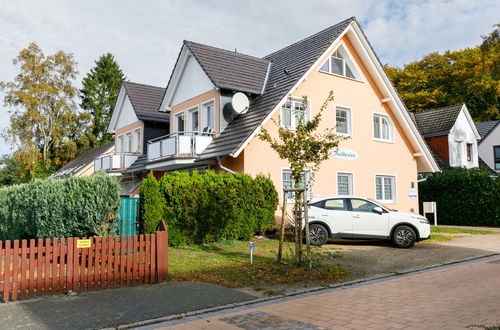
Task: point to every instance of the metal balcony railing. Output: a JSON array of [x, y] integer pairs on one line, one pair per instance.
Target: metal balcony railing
[[118, 161], [178, 144]]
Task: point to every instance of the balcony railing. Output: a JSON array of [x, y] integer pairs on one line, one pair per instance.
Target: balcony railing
[[118, 161], [178, 144]]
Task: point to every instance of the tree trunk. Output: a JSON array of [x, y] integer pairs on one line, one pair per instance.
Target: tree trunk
[[282, 229]]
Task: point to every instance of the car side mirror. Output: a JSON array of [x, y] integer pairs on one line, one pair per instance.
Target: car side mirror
[[378, 210]]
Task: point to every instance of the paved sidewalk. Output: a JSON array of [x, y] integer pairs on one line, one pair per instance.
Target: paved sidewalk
[[97, 309], [452, 297]]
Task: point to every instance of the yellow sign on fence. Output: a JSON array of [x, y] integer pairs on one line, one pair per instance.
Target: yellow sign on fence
[[83, 243]]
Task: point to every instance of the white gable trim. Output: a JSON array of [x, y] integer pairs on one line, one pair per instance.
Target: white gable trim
[[471, 122], [120, 101], [378, 74], [177, 73]]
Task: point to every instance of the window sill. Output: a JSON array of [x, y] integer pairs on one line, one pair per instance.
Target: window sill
[[344, 134], [341, 76], [383, 141]]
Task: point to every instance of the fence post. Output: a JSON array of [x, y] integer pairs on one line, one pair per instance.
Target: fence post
[[162, 252]]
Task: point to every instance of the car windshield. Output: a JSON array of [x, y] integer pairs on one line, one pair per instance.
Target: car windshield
[[381, 205]]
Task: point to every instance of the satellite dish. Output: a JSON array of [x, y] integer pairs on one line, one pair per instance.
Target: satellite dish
[[240, 102]]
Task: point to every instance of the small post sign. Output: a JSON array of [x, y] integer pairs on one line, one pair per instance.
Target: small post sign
[[430, 207], [251, 252], [83, 243]]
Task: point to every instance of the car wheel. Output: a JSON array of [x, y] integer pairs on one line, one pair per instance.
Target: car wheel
[[404, 237], [318, 234]]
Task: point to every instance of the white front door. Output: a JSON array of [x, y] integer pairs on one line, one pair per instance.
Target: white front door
[[366, 222]]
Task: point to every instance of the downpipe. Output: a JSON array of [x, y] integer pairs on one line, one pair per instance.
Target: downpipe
[[219, 162]]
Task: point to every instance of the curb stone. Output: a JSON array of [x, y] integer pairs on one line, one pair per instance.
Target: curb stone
[[213, 311]]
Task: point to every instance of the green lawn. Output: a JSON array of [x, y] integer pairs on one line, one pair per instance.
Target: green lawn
[[441, 238], [228, 264], [449, 230]]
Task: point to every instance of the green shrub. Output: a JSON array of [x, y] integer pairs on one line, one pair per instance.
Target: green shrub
[[50, 208], [468, 197], [213, 206], [152, 204]]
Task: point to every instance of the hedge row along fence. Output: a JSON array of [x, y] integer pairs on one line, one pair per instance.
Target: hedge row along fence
[[85, 206], [468, 197], [208, 207]]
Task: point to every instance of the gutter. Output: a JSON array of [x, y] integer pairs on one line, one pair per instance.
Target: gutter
[[219, 162]]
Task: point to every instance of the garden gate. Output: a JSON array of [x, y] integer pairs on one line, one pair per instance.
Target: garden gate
[[128, 215]]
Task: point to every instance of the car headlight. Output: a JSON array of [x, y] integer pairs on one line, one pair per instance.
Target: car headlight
[[424, 221]]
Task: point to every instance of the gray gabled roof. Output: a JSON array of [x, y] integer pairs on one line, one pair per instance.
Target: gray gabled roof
[[230, 70], [146, 100], [288, 65], [485, 128], [81, 161], [437, 122]]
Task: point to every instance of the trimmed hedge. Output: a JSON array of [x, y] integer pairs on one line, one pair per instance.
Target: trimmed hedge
[[468, 197], [210, 207], [84, 206]]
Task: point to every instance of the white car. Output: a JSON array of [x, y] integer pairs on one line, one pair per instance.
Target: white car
[[356, 217]]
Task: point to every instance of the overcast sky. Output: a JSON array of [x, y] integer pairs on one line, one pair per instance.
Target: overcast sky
[[146, 36]]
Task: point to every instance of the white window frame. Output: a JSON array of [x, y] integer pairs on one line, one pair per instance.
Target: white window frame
[[190, 118], [391, 127], [205, 122], [119, 143], [351, 182], [177, 115], [136, 136], [293, 118], [349, 119], [357, 74], [290, 200], [393, 188]]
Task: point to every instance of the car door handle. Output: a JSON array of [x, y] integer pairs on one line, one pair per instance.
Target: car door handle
[[355, 216]]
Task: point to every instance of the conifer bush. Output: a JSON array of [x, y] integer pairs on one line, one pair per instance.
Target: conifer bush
[[76, 206]]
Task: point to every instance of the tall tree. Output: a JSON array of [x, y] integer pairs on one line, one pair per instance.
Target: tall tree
[[467, 76], [99, 92], [305, 149], [42, 108]]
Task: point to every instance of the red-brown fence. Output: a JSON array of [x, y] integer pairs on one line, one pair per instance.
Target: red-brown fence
[[51, 266]]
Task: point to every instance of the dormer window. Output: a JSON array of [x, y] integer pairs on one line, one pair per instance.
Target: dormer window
[[341, 64]]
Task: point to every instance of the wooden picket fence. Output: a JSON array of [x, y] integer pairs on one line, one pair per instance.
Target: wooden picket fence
[[56, 266]]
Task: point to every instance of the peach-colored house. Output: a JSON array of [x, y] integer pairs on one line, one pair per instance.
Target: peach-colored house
[[380, 159]]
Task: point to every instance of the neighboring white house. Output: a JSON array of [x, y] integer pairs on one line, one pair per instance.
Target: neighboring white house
[[489, 145], [451, 134]]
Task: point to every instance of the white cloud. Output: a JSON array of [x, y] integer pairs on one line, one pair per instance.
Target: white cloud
[[146, 36]]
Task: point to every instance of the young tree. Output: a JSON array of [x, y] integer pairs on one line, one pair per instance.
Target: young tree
[[100, 89], [305, 149], [42, 106]]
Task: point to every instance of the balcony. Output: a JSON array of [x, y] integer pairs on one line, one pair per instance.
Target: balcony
[[115, 162], [185, 144]]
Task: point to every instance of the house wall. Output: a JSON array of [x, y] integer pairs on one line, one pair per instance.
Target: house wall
[[486, 145], [440, 145], [127, 114], [373, 157], [130, 128], [198, 101], [460, 135], [193, 82]]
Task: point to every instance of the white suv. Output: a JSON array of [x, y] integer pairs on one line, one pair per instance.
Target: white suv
[[355, 217]]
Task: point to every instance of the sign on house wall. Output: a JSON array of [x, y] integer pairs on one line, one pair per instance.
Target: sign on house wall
[[345, 154]]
